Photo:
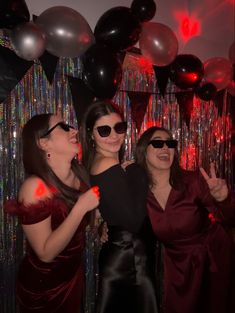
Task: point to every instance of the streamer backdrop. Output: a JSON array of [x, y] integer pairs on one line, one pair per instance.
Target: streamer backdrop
[[207, 137]]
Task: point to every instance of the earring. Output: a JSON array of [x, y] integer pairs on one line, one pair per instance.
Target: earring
[[92, 142], [48, 155]]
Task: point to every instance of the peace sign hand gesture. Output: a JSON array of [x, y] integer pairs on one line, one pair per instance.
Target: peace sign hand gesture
[[218, 187]]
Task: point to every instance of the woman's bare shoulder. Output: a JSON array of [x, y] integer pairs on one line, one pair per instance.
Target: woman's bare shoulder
[[33, 190]]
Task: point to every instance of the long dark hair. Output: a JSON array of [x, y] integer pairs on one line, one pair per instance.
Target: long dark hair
[[95, 111], [140, 157], [34, 158]]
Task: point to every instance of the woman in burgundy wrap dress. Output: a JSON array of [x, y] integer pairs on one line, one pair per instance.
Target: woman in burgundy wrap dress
[[198, 252], [52, 206]]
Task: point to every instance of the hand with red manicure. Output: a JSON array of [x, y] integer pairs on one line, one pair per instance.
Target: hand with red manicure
[[90, 199], [218, 187], [96, 191]]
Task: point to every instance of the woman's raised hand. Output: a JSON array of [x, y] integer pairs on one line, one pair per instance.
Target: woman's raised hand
[[218, 187]]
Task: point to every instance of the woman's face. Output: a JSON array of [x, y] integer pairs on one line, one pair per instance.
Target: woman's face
[[108, 140], [62, 139], [160, 158]]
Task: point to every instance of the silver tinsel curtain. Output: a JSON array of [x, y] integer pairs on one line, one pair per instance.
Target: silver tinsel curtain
[[207, 137]]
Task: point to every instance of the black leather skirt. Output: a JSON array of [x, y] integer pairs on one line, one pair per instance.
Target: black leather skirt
[[126, 274]]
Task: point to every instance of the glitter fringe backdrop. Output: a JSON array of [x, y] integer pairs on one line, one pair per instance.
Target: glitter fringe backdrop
[[207, 138]]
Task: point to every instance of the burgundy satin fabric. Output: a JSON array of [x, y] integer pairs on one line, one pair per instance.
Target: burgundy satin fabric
[[198, 253], [57, 286]]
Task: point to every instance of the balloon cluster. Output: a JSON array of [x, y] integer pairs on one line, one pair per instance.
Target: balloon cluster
[[60, 30], [117, 30], [64, 32], [218, 74], [187, 71]]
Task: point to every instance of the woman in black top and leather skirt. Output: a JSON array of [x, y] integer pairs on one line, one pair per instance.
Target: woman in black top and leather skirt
[[126, 261]]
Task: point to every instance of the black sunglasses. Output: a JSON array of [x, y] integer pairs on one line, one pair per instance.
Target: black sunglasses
[[105, 130], [156, 143], [62, 125]]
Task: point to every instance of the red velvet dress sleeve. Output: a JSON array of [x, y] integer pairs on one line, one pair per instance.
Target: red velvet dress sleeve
[[33, 213]]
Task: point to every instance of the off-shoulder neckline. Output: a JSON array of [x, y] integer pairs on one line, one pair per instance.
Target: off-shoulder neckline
[[54, 198], [113, 166], [107, 170]]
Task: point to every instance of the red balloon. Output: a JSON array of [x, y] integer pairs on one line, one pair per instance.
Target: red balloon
[[158, 43], [218, 71]]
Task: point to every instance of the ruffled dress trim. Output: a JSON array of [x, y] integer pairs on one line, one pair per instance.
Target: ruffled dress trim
[[36, 212]]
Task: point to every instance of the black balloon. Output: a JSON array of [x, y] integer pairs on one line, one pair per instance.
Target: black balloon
[[12, 13], [206, 92], [102, 71], [186, 71], [118, 28], [144, 10]]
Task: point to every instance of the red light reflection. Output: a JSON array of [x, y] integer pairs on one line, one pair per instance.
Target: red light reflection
[[189, 25]]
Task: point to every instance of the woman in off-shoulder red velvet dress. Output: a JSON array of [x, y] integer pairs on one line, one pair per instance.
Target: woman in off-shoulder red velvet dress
[[52, 206], [198, 251]]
